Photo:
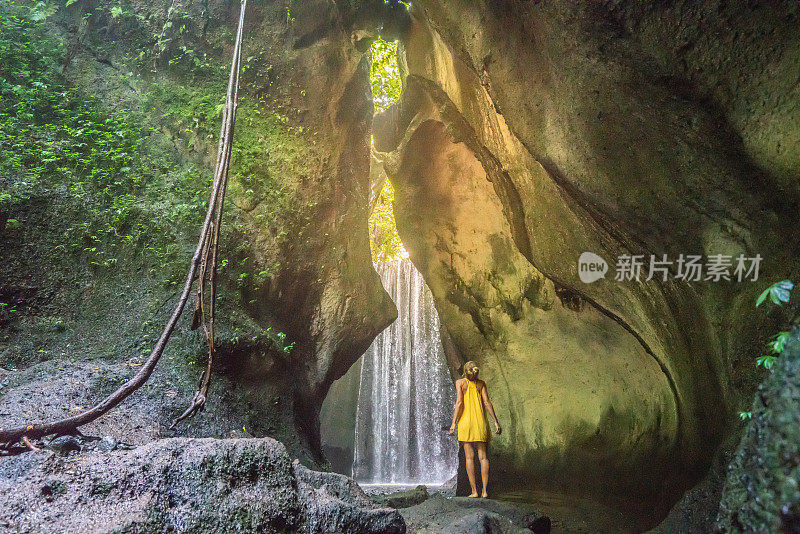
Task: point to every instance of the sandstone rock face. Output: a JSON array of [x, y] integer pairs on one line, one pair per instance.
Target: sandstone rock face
[[528, 134], [321, 291], [184, 485]]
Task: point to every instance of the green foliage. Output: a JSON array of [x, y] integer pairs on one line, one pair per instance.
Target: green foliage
[[56, 138], [774, 348], [41, 10], [384, 74], [778, 341], [779, 292], [384, 241], [386, 88], [766, 361], [744, 416]]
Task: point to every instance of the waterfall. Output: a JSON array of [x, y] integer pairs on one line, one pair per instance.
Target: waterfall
[[405, 394]]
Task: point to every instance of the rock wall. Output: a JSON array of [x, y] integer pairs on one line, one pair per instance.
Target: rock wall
[[299, 300], [761, 490], [528, 134]]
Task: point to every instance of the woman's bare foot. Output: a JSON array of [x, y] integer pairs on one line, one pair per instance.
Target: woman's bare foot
[[485, 495], [473, 495]]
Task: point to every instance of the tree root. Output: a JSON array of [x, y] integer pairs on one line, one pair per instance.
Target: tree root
[[28, 444]]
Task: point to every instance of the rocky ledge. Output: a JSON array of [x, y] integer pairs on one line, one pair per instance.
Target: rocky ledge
[[183, 485]]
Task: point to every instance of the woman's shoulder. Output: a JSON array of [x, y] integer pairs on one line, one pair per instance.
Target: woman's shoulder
[[480, 383]]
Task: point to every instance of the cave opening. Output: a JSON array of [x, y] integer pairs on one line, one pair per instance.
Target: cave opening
[[387, 85], [385, 422]]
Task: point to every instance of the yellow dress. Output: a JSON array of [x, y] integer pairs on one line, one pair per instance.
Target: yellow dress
[[472, 424]]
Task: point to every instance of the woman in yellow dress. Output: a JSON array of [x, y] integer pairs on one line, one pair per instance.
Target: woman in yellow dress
[[473, 431]]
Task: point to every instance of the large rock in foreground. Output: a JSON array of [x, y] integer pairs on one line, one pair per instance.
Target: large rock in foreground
[[184, 485]]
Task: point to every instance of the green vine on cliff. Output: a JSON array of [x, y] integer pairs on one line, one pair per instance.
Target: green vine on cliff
[[779, 293], [56, 139]]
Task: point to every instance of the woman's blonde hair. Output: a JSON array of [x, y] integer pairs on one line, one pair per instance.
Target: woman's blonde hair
[[470, 370]]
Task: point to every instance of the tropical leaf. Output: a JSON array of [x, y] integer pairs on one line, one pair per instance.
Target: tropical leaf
[[779, 292], [762, 297], [766, 361], [778, 341]]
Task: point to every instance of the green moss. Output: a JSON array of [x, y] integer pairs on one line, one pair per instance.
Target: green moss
[[105, 163]]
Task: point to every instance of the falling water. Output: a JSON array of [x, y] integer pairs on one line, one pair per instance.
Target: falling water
[[405, 395]]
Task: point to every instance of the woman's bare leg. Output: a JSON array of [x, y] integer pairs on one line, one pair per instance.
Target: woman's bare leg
[[469, 456], [484, 467]]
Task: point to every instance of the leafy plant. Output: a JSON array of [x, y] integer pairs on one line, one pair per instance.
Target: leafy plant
[[384, 241], [778, 341], [779, 293], [384, 74], [766, 361]]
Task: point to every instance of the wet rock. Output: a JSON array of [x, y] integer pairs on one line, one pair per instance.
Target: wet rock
[[335, 503], [107, 444], [450, 485], [64, 444], [539, 525], [462, 515], [404, 498], [476, 522], [183, 485]]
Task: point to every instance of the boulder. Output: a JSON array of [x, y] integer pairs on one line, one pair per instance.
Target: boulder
[[475, 522], [183, 485], [465, 515], [403, 498]]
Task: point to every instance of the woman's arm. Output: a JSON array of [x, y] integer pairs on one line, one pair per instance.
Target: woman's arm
[[458, 408], [488, 404]]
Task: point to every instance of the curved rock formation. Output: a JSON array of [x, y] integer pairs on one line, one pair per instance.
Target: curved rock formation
[[528, 134]]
